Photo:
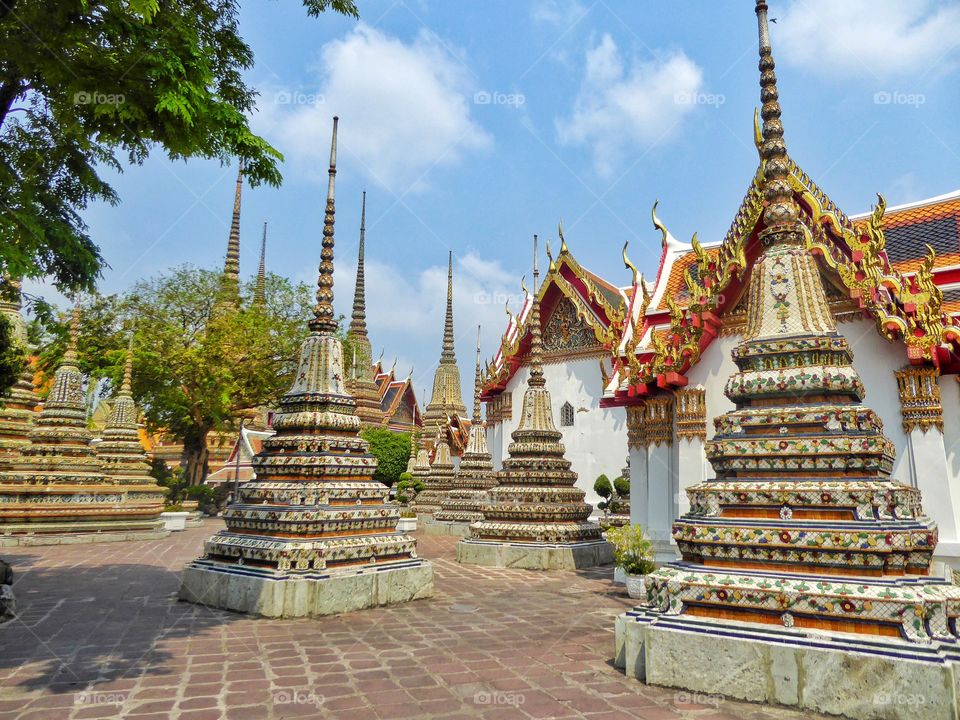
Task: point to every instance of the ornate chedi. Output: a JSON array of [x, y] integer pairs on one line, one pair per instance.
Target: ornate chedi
[[313, 534], [803, 528], [361, 384], [18, 408], [122, 455], [439, 480], [56, 485], [468, 493], [447, 398], [535, 518], [229, 290]]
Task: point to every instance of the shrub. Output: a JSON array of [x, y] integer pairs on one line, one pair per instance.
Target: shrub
[[622, 486], [392, 451], [602, 487], [632, 549]]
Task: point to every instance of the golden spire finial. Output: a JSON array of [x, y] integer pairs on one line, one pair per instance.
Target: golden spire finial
[[781, 209], [323, 318], [477, 384], [358, 321], [523, 284], [536, 378], [629, 265], [126, 385], [658, 224], [563, 243], [260, 287], [553, 265], [447, 354], [70, 356]]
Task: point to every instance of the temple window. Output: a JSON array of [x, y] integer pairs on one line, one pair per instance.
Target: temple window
[[566, 415]]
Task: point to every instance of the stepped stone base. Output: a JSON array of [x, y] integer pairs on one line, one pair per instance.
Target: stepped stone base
[[431, 526], [67, 537], [535, 556], [866, 677], [249, 591]]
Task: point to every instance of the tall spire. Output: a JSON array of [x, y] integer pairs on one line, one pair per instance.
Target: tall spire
[[475, 418], [70, 356], [781, 212], [126, 386], [230, 280], [323, 321], [536, 337], [358, 322], [448, 353], [260, 287]]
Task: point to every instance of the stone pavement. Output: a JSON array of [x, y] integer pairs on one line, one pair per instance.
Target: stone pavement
[[100, 634]]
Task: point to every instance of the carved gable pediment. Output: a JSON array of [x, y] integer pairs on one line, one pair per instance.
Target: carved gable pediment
[[566, 331]]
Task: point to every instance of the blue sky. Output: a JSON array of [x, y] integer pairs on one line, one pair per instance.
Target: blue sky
[[474, 125]]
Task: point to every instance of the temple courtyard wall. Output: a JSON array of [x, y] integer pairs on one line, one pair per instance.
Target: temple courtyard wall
[[596, 443]]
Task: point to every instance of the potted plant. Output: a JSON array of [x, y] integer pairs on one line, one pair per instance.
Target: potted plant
[[633, 552]]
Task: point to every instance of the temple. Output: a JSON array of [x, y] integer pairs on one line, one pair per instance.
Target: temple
[[398, 401], [535, 517], [581, 316], [122, 454], [438, 481], [313, 534], [463, 503], [803, 559], [361, 382], [18, 409], [446, 402], [55, 490]]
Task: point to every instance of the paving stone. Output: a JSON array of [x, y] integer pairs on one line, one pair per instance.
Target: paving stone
[[106, 619]]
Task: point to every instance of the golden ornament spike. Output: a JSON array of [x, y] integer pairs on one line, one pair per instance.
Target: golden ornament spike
[[127, 384], [629, 265], [324, 320], [563, 242], [658, 224]]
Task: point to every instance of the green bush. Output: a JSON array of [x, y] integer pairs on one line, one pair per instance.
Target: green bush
[[622, 486], [392, 451], [602, 487], [632, 549]]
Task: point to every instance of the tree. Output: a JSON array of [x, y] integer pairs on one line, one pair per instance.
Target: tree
[[88, 84], [392, 451], [622, 487], [12, 360], [604, 489], [195, 371]]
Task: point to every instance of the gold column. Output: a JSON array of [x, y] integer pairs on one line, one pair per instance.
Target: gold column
[[691, 408], [920, 398]]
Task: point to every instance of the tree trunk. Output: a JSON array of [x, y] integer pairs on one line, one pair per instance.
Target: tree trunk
[[195, 456]]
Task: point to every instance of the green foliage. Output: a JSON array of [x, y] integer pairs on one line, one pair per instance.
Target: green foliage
[[90, 84], [392, 451], [194, 368], [622, 486], [602, 487], [408, 487], [12, 360], [632, 549]]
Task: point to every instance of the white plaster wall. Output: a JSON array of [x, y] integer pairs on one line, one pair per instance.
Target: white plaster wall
[[597, 442], [950, 399]]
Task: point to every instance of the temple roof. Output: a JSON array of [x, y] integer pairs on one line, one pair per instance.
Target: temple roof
[[598, 303]]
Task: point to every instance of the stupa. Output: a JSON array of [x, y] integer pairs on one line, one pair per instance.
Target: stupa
[[438, 481], [806, 575], [535, 517], [313, 534], [55, 490], [447, 398], [122, 455], [361, 384], [463, 503], [18, 408]]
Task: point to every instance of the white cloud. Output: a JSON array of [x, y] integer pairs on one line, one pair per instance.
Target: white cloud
[[404, 109], [619, 109], [872, 39], [562, 13]]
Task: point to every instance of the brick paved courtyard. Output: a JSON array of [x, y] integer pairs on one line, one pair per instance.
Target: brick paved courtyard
[[100, 634]]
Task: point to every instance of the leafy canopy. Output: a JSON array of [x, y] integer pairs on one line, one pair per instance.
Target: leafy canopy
[[392, 451]]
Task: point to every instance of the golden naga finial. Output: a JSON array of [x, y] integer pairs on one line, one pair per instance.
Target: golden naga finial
[[523, 284], [757, 131], [703, 259], [629, 265], [657, 224], [553, 265], [563, 243]]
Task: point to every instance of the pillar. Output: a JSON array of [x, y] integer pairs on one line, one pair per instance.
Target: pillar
[[691, 411], [637, 450], [920, 406], [661, 476]]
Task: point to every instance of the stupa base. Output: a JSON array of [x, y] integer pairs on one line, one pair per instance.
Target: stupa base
[[535, 556], [276, 595], [843, 674], [432, 526], [33, 534]]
